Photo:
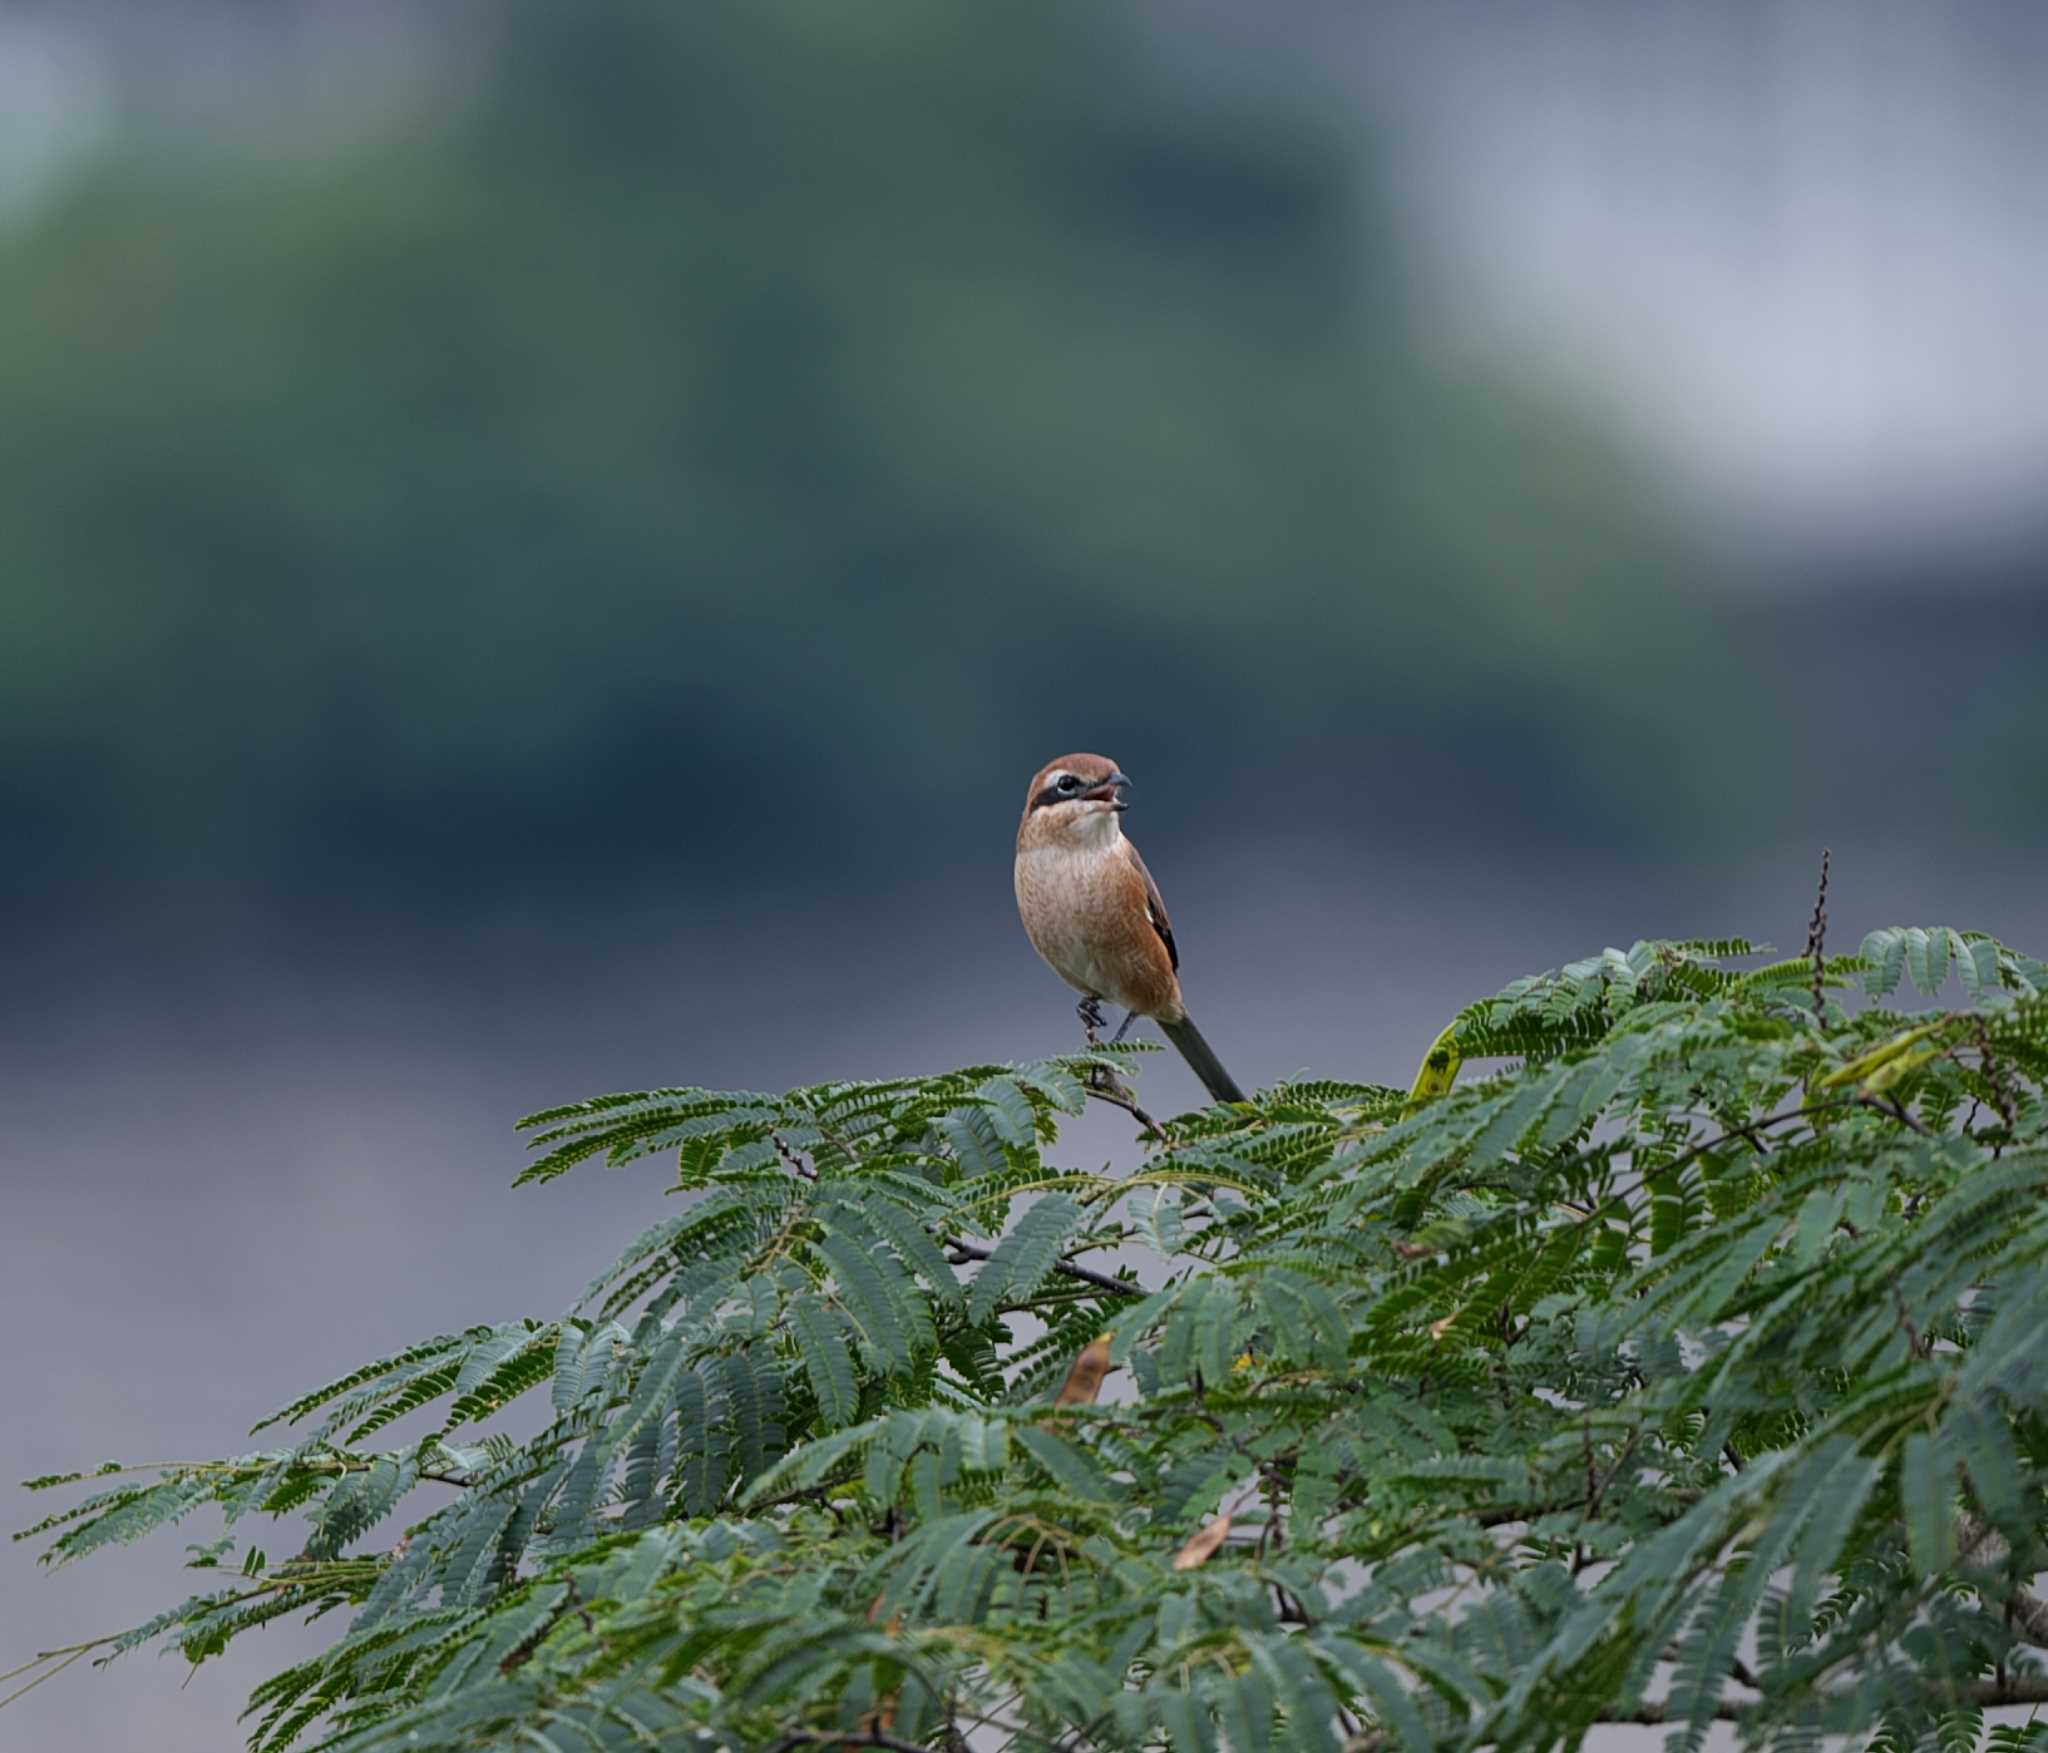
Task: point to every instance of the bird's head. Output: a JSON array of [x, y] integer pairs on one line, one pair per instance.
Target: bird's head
[[1075, 799]]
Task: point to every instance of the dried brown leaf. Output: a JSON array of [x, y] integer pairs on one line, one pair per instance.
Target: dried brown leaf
[[1084, 1380], [1202, 1547]]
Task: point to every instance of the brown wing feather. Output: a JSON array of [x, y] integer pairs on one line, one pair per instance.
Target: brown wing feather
[[1155, 907]]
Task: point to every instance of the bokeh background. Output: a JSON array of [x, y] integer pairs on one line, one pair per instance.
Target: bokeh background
[[540, 543]]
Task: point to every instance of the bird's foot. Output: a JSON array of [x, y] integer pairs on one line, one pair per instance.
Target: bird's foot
[[1090, 1012]]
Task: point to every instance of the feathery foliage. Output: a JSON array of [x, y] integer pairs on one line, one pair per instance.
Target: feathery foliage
[[1692, 1366]]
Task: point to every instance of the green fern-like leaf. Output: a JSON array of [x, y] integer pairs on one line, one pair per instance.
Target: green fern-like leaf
[[1023, 1258]]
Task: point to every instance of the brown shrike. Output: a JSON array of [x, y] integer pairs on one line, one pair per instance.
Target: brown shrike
[[1091, 908]]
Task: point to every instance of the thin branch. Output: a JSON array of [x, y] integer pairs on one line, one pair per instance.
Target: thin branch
[[1720, 1138], [1978, 1541], [1816, 942], [1915, 1342], [846, 1738], [2001, 1096], [1893, 1109], [1655, 1712], [1068, 1268], [1988, 1694], [1890, 1109], [46, 1674], [796, 1163], [1117, 1096]]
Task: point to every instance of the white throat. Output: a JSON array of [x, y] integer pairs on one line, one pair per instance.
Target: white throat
[[1099, 830]]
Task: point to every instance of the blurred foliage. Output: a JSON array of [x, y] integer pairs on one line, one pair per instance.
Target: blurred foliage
[[781, 402]]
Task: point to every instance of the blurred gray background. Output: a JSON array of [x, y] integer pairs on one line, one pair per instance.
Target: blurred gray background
[[540, 545]]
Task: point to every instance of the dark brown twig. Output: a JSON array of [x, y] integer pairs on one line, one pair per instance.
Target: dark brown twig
[[797, 1165], [1069, 1268], [846, 1738], [1817, 939], [1892, 1108], [1709, 1144], [1112, 1091], [2028, 1689], [1915, 1343], [1994, 1075], [1978, 1542]]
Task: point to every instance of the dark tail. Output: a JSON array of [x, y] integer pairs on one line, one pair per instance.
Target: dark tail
[[1198, 1054]]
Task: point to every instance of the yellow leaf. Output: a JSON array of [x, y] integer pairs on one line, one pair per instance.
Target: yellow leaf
[[1439, 1067], [1864, 1068], [1892, 1070]]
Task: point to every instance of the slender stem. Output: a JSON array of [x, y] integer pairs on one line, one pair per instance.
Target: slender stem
[[1069, 1268], [46, 1674], [2028, 1689], [844, 1738], [1118, 1097], [1705, 1145], [1892, 1108]]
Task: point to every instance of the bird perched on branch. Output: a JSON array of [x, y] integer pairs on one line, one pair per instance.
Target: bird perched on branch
[[1091, 908]]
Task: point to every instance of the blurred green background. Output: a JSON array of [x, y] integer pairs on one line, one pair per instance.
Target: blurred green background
[[540, 544], [699, 427]]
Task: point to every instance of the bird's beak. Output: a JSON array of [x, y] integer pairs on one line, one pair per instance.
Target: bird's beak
[[1106, 792]]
